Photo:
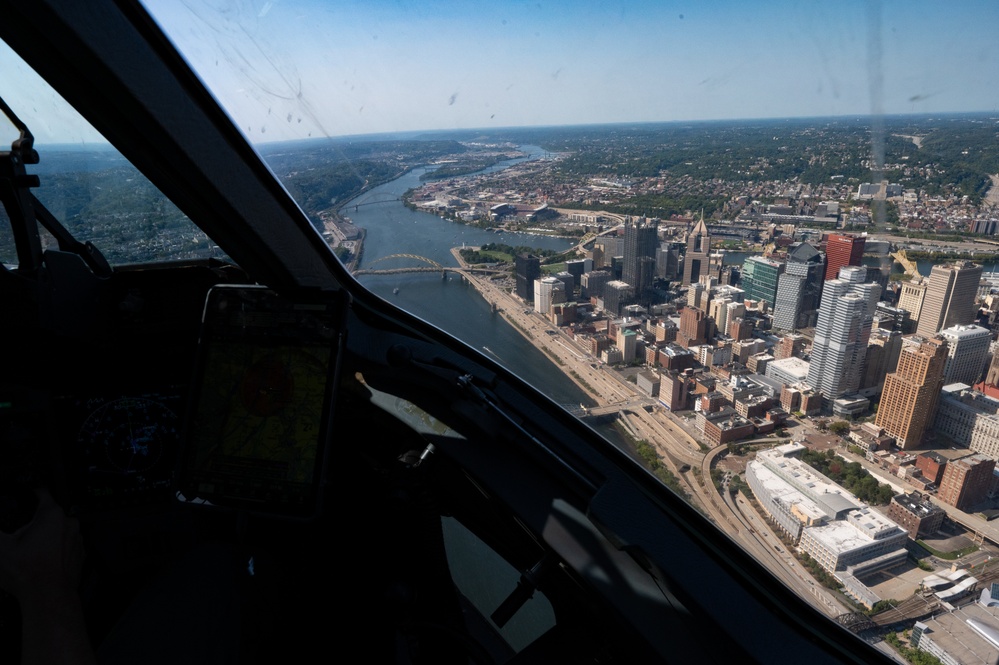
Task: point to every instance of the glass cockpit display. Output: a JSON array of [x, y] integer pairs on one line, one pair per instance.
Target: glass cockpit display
[[123, 448], [259, 420]]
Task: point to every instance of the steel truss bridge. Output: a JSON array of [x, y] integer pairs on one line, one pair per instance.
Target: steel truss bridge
[[432, 266], [355, 206]]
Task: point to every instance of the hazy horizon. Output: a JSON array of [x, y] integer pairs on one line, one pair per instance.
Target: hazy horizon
[[296, 69]]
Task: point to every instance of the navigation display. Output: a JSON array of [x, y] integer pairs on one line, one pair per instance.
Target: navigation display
[[258, 427], [123, 448]]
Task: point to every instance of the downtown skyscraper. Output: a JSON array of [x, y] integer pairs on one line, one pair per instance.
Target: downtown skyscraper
[[640, 244], [697, 257], [842, 250], [950, 297], [842, 332], [909, 399], [528, 269], [799, 289]]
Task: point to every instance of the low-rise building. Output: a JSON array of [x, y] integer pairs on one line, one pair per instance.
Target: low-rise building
[[789, 371], [648, 383], [842, 534], [725, 426], [966, 481], [850, 406], [916, 514], [932, 465], [968, 634], [864, 537]]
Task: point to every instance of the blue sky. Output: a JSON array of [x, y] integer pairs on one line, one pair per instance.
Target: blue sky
[[296, 68]]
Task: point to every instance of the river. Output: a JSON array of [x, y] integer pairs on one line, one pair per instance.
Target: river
[[452, 304]]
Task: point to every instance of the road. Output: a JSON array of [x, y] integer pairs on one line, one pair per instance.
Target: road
[[666, 432]]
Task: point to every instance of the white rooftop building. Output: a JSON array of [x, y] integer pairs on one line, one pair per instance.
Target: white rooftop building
[[788, 370], [967, 348], [842, 534], [862, 537]]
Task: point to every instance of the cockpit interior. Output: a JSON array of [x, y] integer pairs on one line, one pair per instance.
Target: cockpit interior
[[267, 462]]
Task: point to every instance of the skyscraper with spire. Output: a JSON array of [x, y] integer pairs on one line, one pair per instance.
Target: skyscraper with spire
[[696, 260]]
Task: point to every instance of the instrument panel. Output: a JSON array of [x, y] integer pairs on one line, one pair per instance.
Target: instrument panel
[[121, 449]]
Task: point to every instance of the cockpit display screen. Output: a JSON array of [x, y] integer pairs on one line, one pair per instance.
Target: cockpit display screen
[[258, 426]]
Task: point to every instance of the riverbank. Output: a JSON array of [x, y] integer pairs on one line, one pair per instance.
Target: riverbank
[[571, 359]]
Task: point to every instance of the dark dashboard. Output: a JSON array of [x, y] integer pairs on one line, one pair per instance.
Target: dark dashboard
[[109, 398]]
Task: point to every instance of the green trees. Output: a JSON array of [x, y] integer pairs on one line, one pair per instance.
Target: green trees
[[850, 475], [840, 427]]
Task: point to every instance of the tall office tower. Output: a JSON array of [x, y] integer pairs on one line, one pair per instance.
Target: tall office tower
[[616, 266], [910, 298], [570, 284], [893, 318], [842, 332], [759, 279], [640, 245], [610, 247], [667, 262], [736, 310], [693, 327], [967, 348], [992, 375], [842, 250], [577, 269], [729, 274], [718, 310], [716, 265], [592, 283], [799, 289], [596, 255], [882, 357], [909, 400], [697, 296], [696, 261], [547, 292], [528, 269], [617, 294], [950, 297], [709, 281]]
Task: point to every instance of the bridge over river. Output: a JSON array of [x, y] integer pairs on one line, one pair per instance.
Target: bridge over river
[[430, 266]]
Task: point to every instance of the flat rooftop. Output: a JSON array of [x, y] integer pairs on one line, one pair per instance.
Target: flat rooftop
[[784, 492], [831, 499], [840, 536], [962, 633]]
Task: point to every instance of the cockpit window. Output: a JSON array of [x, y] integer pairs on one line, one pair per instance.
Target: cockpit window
[[94, 192]]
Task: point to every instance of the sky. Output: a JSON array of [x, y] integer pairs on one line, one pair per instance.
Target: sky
[[287, 69]]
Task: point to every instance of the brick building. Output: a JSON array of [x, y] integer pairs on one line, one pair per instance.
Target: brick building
[[914, 513]]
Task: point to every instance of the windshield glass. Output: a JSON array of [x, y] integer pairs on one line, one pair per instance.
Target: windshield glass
[[87, 185], [644, 209]]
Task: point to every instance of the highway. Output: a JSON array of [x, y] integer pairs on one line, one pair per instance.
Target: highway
[[663, 430]]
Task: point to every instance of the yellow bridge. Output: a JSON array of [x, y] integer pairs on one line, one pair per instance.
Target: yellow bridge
[[432, 266]]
